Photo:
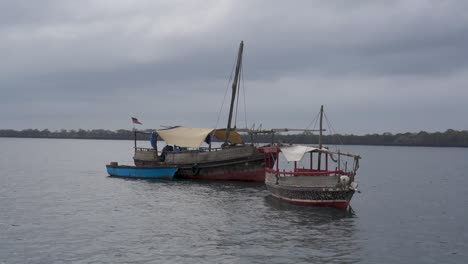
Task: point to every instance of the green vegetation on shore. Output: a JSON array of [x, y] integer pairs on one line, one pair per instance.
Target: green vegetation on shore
[[449, 138]]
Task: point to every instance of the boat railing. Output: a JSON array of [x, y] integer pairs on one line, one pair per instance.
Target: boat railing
[[306, 172], [202, 149], [145, 149]]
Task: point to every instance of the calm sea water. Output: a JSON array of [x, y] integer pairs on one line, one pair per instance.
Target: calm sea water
[[57, 205]]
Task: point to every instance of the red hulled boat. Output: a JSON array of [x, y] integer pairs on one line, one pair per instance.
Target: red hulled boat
[[234, 160]]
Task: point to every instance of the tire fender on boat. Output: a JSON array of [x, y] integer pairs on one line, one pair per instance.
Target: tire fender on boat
[[195, 170]]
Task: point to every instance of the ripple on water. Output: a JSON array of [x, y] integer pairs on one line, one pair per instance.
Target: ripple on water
[[58, 206]]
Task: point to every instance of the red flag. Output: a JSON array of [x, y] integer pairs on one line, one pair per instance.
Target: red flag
[[136, 121]]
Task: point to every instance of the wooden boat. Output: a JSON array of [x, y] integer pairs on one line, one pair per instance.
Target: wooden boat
[[160, 172], [238, 163], [235, 160], [311, 185]]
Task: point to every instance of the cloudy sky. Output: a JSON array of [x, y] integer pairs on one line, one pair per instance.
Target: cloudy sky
[[377, 66]]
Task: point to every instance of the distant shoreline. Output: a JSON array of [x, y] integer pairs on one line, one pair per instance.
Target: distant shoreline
[[449, 138], [325, 143]]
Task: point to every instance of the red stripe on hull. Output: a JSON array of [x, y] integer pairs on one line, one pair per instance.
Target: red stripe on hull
[[334, 204], [253, 176]]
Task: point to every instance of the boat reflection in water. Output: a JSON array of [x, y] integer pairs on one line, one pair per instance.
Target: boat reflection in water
[[314, 234], [319, 213]]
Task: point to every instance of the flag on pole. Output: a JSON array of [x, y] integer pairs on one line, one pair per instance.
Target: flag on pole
[[136, 121]]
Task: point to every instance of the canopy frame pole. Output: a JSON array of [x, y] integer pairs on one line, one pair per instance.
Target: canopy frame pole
[[311, 161], [135, 137], [277, 160], [339, 160], [156, 144], [326, 161], [209, 145], [320, 139]]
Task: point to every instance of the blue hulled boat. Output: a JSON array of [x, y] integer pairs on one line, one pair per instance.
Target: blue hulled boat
[[162, 172]]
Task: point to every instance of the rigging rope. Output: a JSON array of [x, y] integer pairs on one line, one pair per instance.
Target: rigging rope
[[243, 91], [237, 93], [315, 119], [332, 129], [225, 93]]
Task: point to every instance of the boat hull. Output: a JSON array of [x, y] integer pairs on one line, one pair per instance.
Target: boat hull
[[243, 163], [310, 197], [251, 170], [166, 173], [309, 190]]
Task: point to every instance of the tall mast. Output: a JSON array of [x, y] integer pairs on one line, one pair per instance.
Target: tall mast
[[234, 90], [320, 137], [321, 126]]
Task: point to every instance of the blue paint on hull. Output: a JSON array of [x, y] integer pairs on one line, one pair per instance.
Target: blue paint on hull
[[166, 173]]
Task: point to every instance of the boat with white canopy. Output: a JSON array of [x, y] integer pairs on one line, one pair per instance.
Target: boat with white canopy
[[304, 175]]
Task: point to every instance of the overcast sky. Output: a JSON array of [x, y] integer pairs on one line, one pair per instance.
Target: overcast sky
[[377, 66]]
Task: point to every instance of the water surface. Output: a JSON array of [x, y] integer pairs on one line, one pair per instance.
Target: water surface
[[57, 205]]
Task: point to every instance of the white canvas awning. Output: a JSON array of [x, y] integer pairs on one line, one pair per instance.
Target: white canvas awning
[[296, 153], [190, 137], [187, 137]]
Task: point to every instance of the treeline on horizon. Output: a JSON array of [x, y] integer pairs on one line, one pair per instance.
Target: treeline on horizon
[[449, 138]]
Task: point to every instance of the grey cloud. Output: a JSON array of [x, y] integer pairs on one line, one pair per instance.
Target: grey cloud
[[63, 56]]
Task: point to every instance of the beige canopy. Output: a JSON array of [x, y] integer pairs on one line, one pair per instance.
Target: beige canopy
[[190, 137], [187, 137], [234, 137]]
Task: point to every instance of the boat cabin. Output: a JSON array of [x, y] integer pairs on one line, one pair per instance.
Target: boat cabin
[[308, 161]]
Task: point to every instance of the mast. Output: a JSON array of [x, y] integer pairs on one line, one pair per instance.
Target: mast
[[234, 90], [320, 138]]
